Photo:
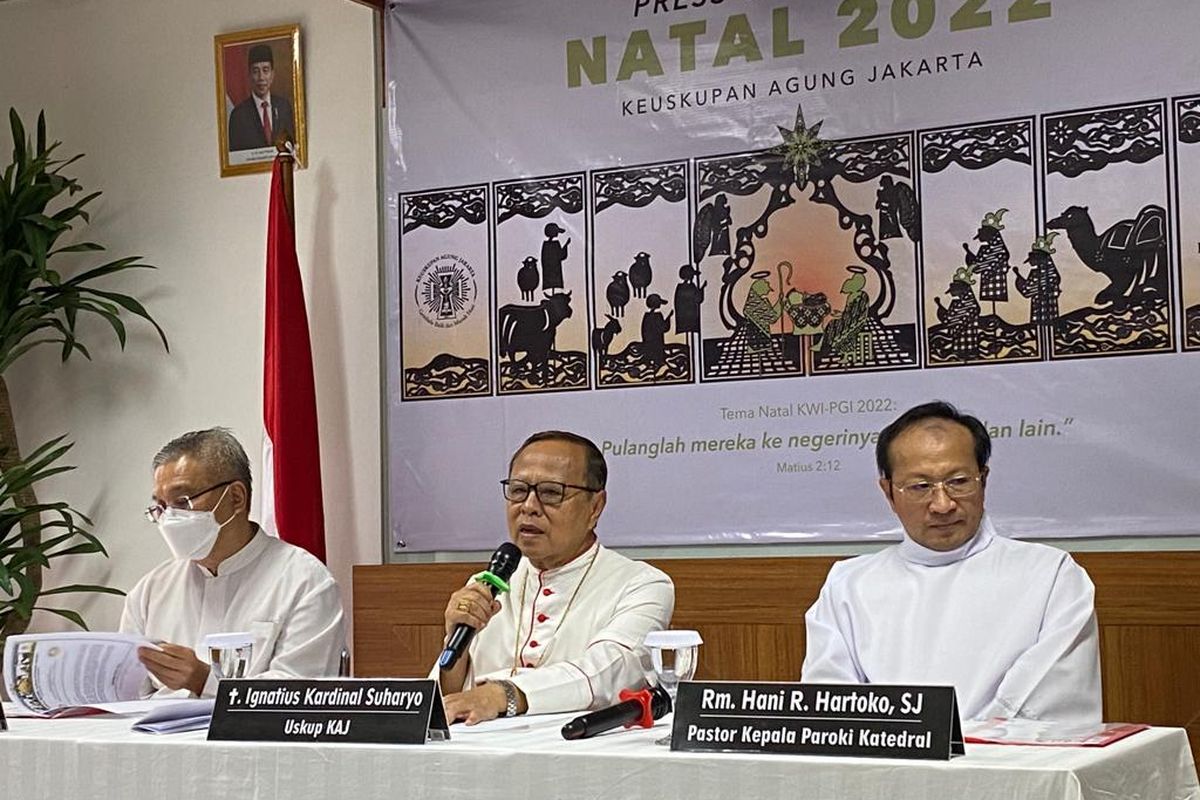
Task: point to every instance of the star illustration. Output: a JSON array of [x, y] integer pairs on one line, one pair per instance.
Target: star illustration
[[1060, 134], [802, 147]]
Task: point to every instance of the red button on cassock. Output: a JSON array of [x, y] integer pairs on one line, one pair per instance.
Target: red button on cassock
[[533, 644], [547, 591], [542, 618]]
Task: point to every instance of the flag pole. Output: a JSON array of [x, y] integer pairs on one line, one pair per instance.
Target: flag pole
[[284, 148]]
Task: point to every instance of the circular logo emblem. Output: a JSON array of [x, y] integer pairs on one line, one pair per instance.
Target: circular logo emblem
[[446, 290]]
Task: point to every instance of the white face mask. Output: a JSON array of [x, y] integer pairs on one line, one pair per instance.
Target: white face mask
[[190, 534]]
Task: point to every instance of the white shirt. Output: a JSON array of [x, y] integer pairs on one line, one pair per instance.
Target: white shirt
[[1011, 625], [278, 592], [576, 631]]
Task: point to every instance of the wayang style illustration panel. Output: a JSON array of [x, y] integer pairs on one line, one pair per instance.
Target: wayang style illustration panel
[[445, 348], [979, 184], [1114, 252], [1017, 240], [541, 320], [647, 293], [812, 248], [1187, 201]]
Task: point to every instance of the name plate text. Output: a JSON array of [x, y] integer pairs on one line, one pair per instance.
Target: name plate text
[[919, 722], [389, 711]]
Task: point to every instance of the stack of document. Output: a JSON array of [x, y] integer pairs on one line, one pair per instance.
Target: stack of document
[[176, 716], [66, 674], [69, 674]]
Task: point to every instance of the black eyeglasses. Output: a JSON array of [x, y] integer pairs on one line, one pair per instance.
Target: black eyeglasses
[[184, 503], [550, 493]]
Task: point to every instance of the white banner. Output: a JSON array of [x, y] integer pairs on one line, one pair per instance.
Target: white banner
[[730, 240]]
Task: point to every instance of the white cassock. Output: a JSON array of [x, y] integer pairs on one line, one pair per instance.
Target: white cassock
[[1011, 625], [571, 638], [278, 592]]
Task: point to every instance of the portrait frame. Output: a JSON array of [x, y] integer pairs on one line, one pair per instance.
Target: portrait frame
[[242, 145]]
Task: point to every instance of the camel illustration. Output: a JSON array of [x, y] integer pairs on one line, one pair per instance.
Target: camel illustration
[[1132, 253]]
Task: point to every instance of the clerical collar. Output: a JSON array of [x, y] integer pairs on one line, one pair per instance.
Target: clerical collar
[[579, 562], [246, 555], [915, 553]]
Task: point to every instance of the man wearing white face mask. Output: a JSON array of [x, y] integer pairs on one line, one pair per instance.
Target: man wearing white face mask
[[227, 575]]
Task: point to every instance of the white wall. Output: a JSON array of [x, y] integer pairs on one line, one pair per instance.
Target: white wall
[[131, 84]]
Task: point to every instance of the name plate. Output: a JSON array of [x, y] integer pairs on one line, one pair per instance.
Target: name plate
[[389, 711], [818, 719]]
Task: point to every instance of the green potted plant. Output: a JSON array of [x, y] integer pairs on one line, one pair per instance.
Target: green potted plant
[[40, 304]]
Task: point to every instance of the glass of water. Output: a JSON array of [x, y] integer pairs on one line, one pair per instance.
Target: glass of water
[[230, 654], [674, 655]]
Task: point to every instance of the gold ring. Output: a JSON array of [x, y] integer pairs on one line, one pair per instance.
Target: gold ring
[[463, 605]]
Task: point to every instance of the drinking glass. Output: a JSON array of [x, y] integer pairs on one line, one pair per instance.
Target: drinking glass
[[230, 654], [674, 655]]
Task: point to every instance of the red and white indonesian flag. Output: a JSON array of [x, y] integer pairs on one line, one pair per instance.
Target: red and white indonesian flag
[[292, 507]]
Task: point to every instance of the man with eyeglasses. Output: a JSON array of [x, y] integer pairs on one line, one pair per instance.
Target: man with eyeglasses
[[568, 636], [1010, 624], [227, 575]]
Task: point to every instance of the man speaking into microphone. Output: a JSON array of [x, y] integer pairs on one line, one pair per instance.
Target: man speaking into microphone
[[568, 635]]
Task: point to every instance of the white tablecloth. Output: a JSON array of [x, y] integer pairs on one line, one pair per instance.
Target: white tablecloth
[[100, 757]]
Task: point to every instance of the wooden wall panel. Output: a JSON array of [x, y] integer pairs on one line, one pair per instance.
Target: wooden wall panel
[[746, 590], [1140, 588], [749, 652], [398, 628], [750, 612], [1152, 674]]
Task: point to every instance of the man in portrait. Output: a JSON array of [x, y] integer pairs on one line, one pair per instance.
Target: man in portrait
[[264, 116]]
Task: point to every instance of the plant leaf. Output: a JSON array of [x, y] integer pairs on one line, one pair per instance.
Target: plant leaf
[[66, 613], [85, 547], [41, 133], [130, 262], [132, 305], [83, 587], [81, 247], [18, 135]]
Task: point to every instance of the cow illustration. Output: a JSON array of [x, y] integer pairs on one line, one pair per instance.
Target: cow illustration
[[530, 330]]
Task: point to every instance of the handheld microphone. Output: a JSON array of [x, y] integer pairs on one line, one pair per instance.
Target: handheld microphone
[[500, 569], [639, 708]]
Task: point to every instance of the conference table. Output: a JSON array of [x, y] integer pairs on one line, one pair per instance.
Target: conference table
[[101, 757]]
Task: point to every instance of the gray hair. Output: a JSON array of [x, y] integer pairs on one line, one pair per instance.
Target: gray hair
[[216, 448]]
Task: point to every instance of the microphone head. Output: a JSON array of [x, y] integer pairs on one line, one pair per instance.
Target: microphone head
[[660, 702], [575, 729], [504, 561]]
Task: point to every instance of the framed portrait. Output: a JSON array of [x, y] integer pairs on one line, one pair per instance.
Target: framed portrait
[[260, 97]]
